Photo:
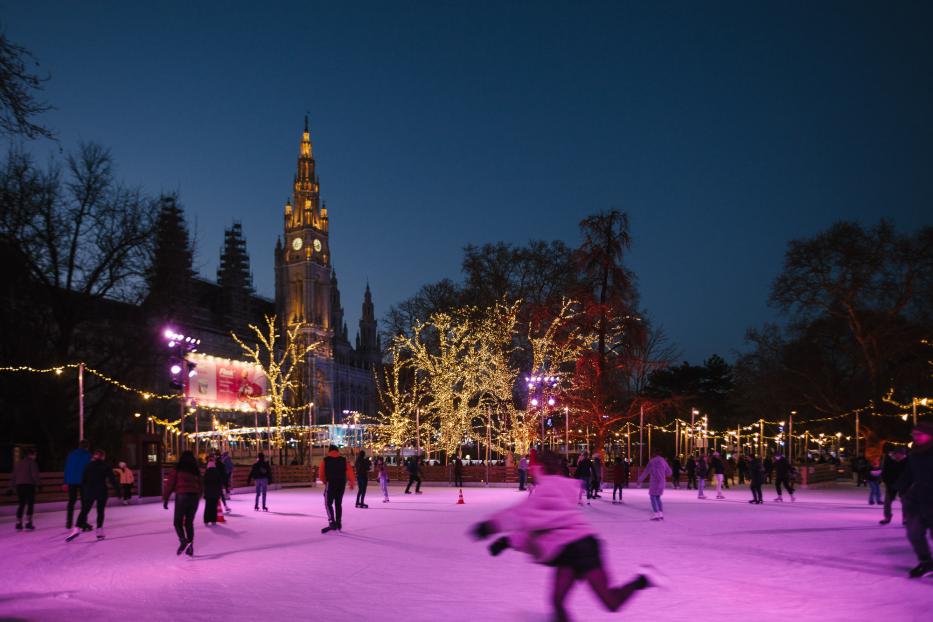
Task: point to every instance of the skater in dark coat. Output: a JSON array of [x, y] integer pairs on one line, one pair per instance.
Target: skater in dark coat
[[891, 470], [362, 478], [702, 472], [185, 482], [414, 475], [619, 478], [214, 480], [336, 473], [691, 473], [916, 488], [756, 477], [782, 476], [261, 473], [26, 483], [458, 472], [675, 472], [97, 474], [548, 526]]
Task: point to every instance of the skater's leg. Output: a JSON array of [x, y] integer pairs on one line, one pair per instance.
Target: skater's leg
[[889, 493], [73, 491], [191, 510], [612, 597], [179, 519], [329, 504], [563, 581], [411, 480], [101, 508], [418, 484], [364, 484], [256, 503], [917, 535], [265, 489]]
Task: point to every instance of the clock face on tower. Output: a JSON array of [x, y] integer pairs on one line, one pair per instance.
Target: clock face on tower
[[296, 244], [317, 246]]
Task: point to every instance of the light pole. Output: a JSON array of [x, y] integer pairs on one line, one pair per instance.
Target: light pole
[[693, 413], [543, 385], [923, 401]]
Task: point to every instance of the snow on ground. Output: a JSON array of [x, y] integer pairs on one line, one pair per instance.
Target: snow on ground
[[824, 558]]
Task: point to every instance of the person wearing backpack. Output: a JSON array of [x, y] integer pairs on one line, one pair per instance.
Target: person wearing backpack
[[261, 473]]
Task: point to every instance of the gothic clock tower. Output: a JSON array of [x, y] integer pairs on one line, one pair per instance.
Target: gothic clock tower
[[303, 271]]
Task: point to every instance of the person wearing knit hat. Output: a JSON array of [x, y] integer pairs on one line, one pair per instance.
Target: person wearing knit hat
[[916, 487]]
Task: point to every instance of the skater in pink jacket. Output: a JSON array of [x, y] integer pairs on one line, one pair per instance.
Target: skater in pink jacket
[[550, 527]]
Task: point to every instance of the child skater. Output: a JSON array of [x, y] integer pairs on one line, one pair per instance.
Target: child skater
[[548, 525], [383, 474], [656, 471]]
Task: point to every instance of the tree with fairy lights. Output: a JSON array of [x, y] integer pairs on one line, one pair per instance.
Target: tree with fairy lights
[[281, 363]]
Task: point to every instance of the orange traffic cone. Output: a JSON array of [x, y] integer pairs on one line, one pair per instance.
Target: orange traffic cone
[[220, 513], [460, 500]]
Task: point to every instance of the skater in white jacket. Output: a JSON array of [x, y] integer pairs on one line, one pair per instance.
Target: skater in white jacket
[[550, 527], [656, 472]]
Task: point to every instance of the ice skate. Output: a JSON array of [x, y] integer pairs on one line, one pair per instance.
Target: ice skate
[[364, 506], [256, 508], [720, 496], [921, 570], [653, 577], [418, 492], [655, 516], [181, 547], [701, 496], [331, 526], [884, 521], [779, 499], [190, 550], [100, 533], [19, 526], [792, 498], [74, 534], [30, 526], [660, 515], [265, 509]]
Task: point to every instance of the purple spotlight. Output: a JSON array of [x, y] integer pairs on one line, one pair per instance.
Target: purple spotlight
[[168, 333], [534, 401], [550, 401], [175, 369]]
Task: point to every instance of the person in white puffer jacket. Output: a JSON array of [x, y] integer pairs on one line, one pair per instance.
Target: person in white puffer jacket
[[549, 526]]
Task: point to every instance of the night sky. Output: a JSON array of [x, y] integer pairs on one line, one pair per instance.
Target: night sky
[[723, 128]]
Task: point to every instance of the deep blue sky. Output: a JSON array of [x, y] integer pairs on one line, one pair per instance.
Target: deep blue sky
[[723, 128]]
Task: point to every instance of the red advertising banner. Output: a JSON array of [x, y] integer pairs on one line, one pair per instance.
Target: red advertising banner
[[226, 384]]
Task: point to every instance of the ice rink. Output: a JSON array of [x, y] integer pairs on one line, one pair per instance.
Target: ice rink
[[824, 558]]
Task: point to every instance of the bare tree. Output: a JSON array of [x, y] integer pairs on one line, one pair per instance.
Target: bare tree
[[81, 235], [18, 87]]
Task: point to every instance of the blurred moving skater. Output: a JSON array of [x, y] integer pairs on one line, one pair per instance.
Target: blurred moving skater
[[214, 477], [382, 472], [894, 464], [185, 482], [916, 487], [549, 526], [756, 477]]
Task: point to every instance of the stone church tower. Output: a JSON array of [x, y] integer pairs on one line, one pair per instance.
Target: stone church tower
[[336, 377]]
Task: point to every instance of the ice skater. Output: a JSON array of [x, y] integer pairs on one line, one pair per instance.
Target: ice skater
[[125, 475], [414, 475], [691, 468], [756, 477], [891, 471], [675, 476], [718, 469], [362, 466], [916, 487], [549, 527], [619, 478], [214, 477], [261, 473], [97, 474], [382, 472], [656, 471], [227, 461], [783, 471], [701, 470], [458, 472], [185, 482], [336, 473], [522, 472], [74, 471], [874, 483], [584, 473], [26, 483]]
